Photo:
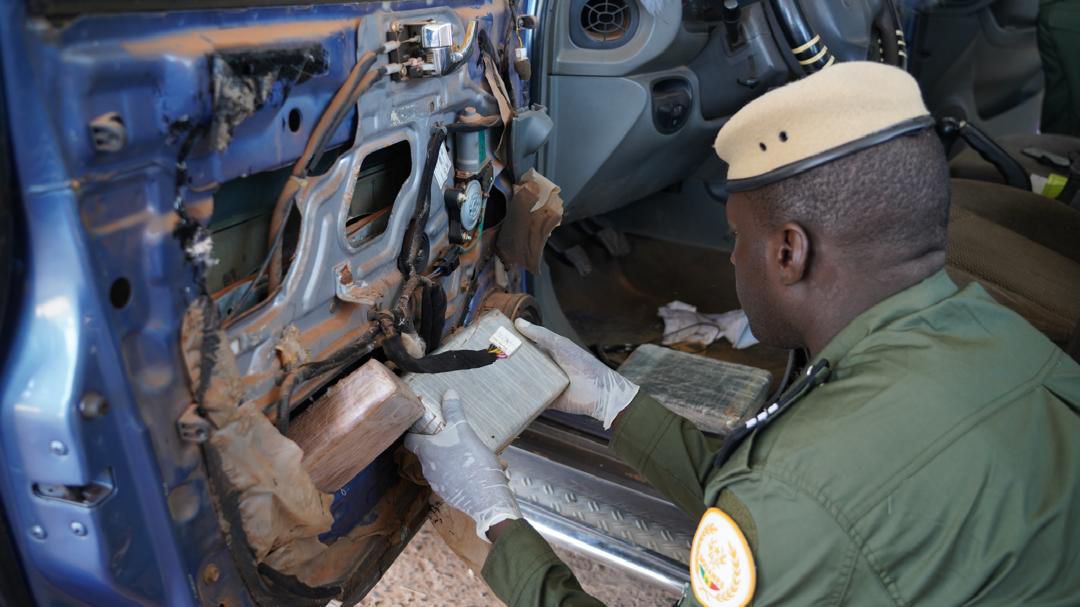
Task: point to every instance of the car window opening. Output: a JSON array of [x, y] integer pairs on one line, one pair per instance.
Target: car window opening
[[378, 183]]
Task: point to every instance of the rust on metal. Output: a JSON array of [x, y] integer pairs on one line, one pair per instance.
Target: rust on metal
[[211, 574], [206, 41]]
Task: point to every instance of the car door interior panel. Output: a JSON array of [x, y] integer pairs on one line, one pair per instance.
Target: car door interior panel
[[223, 218]]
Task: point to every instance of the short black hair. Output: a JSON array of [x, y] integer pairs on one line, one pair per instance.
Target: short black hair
[[889, 201]]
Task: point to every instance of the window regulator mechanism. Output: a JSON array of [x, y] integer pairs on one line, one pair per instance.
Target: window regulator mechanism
[[426, 49]]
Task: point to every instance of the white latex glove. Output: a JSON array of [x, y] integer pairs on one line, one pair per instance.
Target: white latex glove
[[595, 390], [463, 471]]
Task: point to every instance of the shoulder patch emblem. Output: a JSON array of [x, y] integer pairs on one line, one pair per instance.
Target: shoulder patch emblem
[[722, 572]]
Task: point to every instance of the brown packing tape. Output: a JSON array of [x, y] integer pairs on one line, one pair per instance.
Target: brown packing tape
[[283, 513], [281, 509], [491, 74], [290, 349], [213, 376], [534, 211]]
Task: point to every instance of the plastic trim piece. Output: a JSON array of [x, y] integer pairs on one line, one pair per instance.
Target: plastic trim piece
[[583, 37]]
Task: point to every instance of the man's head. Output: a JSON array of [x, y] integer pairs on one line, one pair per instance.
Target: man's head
[[826, 230]]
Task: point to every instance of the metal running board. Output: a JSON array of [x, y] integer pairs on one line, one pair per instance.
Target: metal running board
[[624, 528]]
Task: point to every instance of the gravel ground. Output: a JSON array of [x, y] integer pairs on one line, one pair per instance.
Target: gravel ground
[[428, 573]]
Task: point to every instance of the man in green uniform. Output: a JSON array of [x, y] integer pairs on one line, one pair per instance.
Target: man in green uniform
[[930, 453]]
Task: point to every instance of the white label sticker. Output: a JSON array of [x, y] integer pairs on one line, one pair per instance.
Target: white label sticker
[[443, 166], [506, 341]]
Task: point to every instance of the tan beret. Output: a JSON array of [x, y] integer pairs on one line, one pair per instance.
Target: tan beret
[[832, 113]]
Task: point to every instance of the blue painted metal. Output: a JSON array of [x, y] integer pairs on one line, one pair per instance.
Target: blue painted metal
[[62, 347], [354, 502], [95, 220]]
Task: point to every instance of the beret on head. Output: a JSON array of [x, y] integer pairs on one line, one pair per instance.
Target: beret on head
[[842, 109]]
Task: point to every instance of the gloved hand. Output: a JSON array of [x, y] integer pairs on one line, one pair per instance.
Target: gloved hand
[[463, 471], [595, 390]]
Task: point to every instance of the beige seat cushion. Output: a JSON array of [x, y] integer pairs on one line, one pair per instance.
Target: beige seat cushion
[[1025, 254]]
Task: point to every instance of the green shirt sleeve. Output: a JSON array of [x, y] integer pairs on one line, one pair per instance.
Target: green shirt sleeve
[[802, 552], [665, 448], [668, 450], [523, 570]]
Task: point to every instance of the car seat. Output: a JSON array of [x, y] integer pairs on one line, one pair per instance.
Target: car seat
[[1023, 248], [1024, 148]]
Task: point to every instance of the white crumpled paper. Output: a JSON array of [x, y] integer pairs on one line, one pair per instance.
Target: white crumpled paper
[[684, 324]]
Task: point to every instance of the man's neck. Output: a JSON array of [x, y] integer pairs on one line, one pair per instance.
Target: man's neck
[[850, 297]]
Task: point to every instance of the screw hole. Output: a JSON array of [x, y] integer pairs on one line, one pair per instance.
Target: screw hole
[[295, 120], [120, 293], [783, 136], [762, 146]]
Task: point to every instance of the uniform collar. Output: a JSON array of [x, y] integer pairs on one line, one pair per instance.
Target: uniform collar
[[911, 300]]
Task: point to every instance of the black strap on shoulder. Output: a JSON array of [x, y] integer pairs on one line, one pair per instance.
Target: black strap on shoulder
[[814, 376]]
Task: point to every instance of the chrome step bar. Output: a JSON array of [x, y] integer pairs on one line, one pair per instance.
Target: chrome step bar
[[626, 529]]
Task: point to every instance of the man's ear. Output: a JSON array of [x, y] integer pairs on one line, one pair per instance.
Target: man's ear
[[792, 253]]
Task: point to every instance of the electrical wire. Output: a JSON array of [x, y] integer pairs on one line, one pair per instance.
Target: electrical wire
[[364, 345], [384, 331], [263, 267], [472, 126], [360, 79], [370, 78], [412, 243]]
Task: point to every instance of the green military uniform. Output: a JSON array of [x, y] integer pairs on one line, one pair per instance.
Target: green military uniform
[[938, 464]]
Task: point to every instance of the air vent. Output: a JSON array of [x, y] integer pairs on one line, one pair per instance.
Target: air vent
[[603, 24], [605, 20]]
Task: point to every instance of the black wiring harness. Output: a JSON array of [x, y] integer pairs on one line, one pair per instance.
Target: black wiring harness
[[359, 80], [389, 325]]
